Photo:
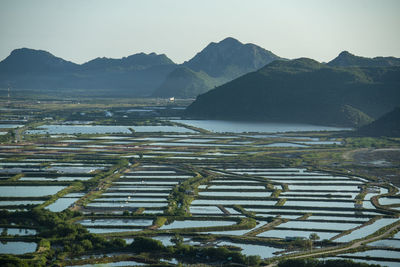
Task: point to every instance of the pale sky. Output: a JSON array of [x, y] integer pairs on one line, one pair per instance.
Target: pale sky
[[81, 30]]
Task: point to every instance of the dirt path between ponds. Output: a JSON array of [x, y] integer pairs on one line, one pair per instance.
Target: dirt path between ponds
[[354, 245]]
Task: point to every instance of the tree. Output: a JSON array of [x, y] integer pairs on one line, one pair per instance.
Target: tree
[[141, 244], [313, 237], [177, 240]]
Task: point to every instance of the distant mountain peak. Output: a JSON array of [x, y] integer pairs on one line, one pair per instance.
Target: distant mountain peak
[[230, 58], [231, 41], [345, 54], [299, 64], [27, 60], [134, 62], [28, 51], [346, 59]]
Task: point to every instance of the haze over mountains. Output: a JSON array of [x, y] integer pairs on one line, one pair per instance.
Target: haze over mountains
[[250, 83], [135, 75], [214, 65]]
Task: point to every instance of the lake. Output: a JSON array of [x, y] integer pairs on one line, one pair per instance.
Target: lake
[[222, 126]]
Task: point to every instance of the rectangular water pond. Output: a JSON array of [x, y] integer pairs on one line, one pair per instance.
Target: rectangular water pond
[[113, 264], [61, 204], [20, 202], [377, 253], [29, 191], [131, 222], [382, 263], [392, 243], [19, 231], [317, 203], [233, 202], [319, 225], [17, 248], [296, 233], [236, 194], [206, 209], [194, 223], [366, 230], [110, 230], [128, 205]]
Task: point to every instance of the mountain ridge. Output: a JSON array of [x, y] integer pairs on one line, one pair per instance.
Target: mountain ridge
[[143, 75], [303, 90], [346, 59], [216, 64]]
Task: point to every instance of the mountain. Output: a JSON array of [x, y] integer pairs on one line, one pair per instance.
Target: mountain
[[27, 61], [134, 62], [230, 58], [215, 64], [185, 83], [304, 91], [387, 125], [346, 59], [135, 75]]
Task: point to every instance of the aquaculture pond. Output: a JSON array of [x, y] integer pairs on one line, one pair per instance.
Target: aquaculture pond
[[393, 243], [376, 253], [185, 179], [113, 264], [111, 230], [127, 205], [235, 194], [104, 129], [18, 231], [114, 222], [193, 223], [366, 230], [381, 263], [296, 233], [250, 249], [29, 191], [61, 204], [205, 210], [319, 225], [17, 247]]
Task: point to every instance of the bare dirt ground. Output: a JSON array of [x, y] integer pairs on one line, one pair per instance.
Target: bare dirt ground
[[382, 163]]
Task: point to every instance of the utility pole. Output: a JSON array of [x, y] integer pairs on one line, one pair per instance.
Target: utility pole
[[8, 96]]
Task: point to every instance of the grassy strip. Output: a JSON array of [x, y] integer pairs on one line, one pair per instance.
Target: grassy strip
[[305, 216], [276, 193], [285, 187], [182, 195], [266, 227], [250, 214], [196, 129], [158, 222], [16, 177], [281, 202]]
